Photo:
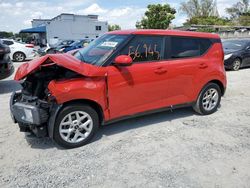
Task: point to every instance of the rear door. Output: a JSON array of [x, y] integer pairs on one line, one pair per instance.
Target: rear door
[[186, 64], [143, 85]]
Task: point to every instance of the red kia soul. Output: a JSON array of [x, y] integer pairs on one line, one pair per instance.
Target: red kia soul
[[119, 75]]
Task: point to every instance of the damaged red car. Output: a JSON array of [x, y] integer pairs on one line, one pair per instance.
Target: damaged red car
[[119, 75]]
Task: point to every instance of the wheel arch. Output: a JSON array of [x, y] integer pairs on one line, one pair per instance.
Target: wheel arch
[[219, 83], [238, 57], [55, 110], [89, 102]]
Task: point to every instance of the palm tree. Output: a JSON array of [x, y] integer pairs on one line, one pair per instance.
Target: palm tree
[[238, 9]]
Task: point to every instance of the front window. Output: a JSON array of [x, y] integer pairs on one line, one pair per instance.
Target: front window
[[97, 52], [234, 44], [144, 48]]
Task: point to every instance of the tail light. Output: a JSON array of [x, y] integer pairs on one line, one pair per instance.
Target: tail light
[[29, 45]]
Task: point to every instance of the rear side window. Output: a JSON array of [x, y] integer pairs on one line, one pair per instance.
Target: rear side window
[[8, 42], [182, 47], [144, 48]]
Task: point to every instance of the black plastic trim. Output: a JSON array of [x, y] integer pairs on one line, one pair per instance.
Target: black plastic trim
[[149, 112]]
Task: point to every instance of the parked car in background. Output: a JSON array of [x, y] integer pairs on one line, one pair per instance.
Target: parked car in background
[[6, 66], [73, 52], [53, 48], [20, 51], [119, 75], [237, 53], [75, 45]]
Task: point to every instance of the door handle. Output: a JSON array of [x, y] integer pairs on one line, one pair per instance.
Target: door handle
[[203, 66], [160, 70]]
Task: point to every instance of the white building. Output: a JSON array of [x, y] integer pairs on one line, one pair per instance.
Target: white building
[[67, 26]]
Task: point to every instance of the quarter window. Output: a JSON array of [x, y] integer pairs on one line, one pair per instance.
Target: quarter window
[[188, 47], [144, 48]]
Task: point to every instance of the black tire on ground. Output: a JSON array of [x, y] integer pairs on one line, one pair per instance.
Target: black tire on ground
[[236, 64], [202, 104], [19, 56], [74, 108]]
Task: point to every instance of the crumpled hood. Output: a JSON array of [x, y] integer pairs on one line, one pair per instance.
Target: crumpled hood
[[65, 60]]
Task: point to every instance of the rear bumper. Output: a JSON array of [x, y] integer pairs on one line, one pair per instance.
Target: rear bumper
[[32, 55]]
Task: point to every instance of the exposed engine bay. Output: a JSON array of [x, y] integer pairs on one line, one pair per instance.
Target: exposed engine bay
[[36, 84]]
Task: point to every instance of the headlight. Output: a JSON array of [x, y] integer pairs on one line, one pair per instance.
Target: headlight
[[227, 56]]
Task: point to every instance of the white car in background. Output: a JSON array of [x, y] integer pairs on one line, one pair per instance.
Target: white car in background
[[20, 51]]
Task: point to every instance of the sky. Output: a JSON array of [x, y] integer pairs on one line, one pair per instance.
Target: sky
[[17, 14]]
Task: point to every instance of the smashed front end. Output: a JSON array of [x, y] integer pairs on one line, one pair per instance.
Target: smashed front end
[[33, 106]]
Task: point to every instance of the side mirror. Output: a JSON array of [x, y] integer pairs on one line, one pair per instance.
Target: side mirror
[[248, 48], [123, 60]]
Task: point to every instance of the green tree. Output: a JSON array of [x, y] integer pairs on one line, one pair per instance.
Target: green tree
[[199, 8], [114, 27], [157, 16], [210, 20], [244, 19], [4, 34]]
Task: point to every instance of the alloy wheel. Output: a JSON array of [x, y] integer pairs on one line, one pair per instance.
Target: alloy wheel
[[236, 65], [76, 127], [19, 57], [210, 99]]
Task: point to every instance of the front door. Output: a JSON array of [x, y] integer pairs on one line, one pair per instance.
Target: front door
[[143, 85]]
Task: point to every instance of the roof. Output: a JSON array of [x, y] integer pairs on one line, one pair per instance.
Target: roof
[[165, 32], [41, 29]]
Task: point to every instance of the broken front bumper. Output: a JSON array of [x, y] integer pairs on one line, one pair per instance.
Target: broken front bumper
[[30, 113]]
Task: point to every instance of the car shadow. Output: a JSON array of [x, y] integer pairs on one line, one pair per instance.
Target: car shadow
[[40, 143], [142, 121], [8, 86], [118, 127]]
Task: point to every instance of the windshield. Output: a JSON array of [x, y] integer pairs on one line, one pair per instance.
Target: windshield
[[100, 49], [234, 44]]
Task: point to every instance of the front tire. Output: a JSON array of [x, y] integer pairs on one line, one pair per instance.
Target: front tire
[[19, 56], [208, 100], [75, 126], [236, 64]]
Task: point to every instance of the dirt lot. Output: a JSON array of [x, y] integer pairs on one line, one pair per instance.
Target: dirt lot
[[169, 149]]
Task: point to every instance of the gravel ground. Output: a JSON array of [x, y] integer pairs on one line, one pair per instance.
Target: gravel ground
[[169, 149]]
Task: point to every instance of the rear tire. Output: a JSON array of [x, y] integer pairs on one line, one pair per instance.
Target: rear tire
[[19, 56], [75, 126], [236, 64], [208, 100]]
